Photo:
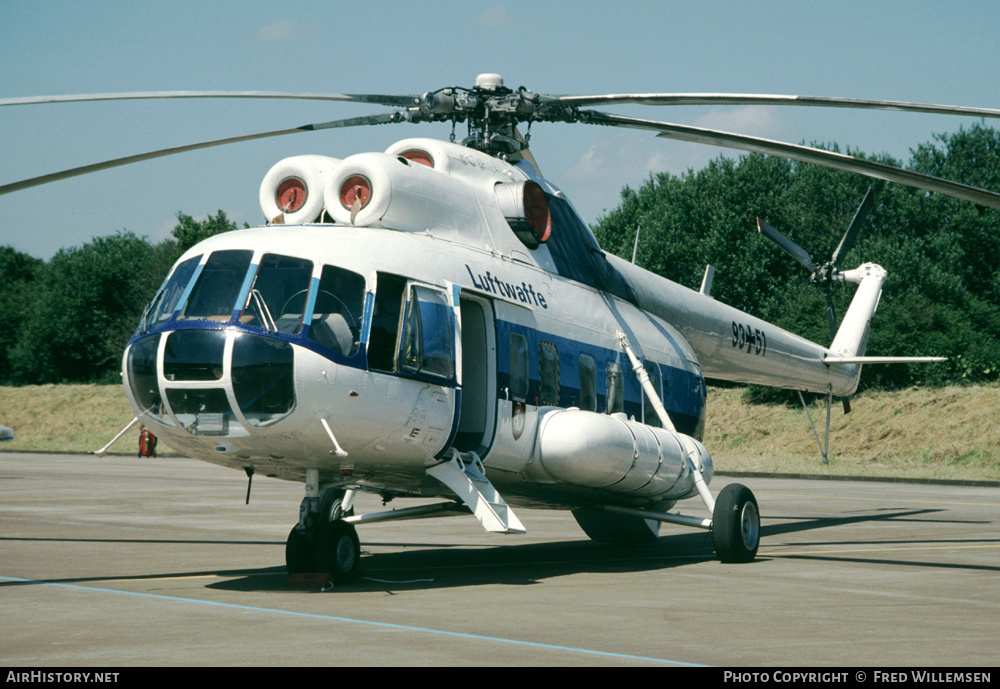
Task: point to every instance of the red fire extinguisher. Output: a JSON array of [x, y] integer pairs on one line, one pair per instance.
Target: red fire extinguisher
[[147, 443]]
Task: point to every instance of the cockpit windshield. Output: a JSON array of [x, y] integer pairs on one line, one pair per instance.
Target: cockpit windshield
[[214, 294], [277, 299], [280, 294]]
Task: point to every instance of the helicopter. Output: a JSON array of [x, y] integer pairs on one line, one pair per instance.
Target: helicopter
[[437, 321]]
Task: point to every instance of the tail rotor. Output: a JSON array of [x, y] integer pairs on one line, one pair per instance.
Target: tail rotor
[[824, 276]]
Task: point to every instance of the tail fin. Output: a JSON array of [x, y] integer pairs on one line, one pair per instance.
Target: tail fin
[[852, 337], [849, 344]]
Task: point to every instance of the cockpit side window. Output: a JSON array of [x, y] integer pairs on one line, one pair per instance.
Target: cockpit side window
[[385, 322], [214, 295], [277, 299], [428, 342], [339, 309], [168, 299]]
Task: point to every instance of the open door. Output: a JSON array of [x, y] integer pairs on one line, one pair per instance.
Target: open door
[[477, 413]]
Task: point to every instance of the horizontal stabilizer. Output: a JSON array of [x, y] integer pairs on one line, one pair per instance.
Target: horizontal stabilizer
[[844, 360]]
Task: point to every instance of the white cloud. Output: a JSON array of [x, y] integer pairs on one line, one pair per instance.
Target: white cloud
[[497, 17], [617, 158], [285, 30], [763, 121]]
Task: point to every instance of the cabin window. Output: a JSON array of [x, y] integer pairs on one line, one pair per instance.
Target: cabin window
[[616, 395], [428, 347], [163, 306], [214, 294], [518, 366], [649, 415], [548, 366], [339, 308], [277, 299], [588, 383]]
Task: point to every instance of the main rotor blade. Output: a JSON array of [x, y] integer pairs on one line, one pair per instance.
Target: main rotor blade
[[381, 99], [128, 160], [790, 247], [766, 99], [852, 230], [804, 154]]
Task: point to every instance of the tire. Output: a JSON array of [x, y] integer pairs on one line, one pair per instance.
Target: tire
[[736, 524], [338, 551]]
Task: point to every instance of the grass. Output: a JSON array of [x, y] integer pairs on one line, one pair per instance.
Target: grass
[[926, 433]]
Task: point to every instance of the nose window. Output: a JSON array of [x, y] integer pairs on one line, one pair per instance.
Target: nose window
[[142, 377], [263, 378], [202, 412], [194, 355]]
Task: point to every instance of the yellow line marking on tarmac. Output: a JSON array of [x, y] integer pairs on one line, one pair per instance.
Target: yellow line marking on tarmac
[[785, 553], [880, 498], [192, 576]]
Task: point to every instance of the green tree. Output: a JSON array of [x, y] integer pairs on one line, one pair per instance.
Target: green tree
[[942, 255], [87, 303], [17, 282], [188, 231]]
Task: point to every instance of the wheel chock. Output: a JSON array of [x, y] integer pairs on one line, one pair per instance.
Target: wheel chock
[[307, 580]]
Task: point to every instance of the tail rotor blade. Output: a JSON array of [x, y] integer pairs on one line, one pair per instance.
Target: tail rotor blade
[[831, 314], [790, 247], [852, 231]]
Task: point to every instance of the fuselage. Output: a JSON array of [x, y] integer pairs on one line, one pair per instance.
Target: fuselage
[[415, 322]]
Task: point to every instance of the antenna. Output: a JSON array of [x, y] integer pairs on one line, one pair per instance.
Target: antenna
[[635, 247]]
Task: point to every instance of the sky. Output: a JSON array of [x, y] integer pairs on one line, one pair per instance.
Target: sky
[[916, 50]]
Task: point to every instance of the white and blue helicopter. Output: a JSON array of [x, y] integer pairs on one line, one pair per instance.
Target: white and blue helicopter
[[436, 321]]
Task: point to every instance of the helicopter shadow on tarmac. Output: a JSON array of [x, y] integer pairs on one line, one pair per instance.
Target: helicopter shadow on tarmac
[[413, 566]]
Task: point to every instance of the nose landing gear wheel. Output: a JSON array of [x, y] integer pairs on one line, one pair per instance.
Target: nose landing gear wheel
[[736, 524], [338, 551]]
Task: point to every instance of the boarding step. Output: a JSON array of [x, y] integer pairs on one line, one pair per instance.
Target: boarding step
[[465, 475]]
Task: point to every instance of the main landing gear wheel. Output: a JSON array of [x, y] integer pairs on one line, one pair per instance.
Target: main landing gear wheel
[[736, 524]]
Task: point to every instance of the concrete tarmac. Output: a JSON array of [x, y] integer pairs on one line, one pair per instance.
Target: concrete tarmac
[[114, 562]]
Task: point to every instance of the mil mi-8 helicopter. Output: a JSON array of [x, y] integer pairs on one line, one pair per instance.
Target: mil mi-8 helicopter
[[436, 321]]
